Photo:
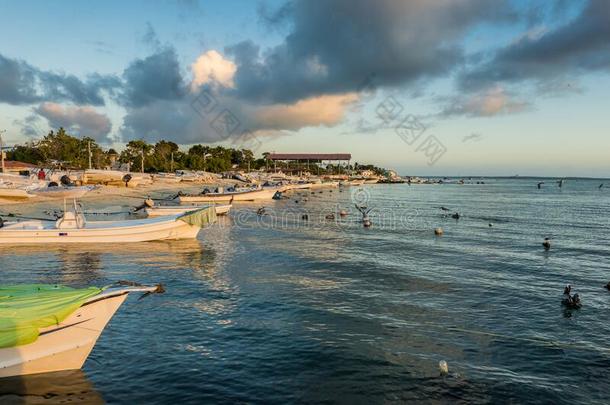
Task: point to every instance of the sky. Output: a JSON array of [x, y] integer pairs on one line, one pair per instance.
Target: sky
[[425, 87]]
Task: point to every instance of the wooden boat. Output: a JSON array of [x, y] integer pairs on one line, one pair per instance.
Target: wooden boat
[[164, 210], [67, 344], [249, 195], [72, 228]]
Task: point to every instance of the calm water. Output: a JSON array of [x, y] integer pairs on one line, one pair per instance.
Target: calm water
[[276, 310]]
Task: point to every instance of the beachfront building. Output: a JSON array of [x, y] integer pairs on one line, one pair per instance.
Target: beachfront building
[[300, 162]]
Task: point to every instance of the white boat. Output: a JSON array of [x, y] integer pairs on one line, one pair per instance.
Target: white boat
[[67, 344], [326, 184], [62, 192], [249, 195], [14, 193], [73, 228], [164, 210]]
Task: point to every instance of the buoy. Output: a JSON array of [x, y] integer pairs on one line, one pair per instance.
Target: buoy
[[546, 243], [438, 231], [490, 225], [343, 213], [443, 367]]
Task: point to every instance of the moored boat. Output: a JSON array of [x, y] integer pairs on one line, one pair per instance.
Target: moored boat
[[248, 195], [62, 192], [164, 210], [14, 193], [73, 228], [48, 328]]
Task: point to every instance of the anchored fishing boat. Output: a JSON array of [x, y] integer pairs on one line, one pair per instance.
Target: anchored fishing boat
[[47, 328], [14, 193], [247, 195], [62, 191], [164, 210], [73, 228]]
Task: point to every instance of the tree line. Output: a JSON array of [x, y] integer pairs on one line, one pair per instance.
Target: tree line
[[64, 150]]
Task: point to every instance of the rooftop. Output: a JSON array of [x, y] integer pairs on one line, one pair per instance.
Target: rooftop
[[310, 156]]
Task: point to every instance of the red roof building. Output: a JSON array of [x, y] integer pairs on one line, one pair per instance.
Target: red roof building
[[309, 156]]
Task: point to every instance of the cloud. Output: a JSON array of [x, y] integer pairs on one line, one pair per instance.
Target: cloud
[[156, 77], [581, 45], [212, 67], [486, 103], [326, 110], [335, 45], [22, 83], [83, 121]]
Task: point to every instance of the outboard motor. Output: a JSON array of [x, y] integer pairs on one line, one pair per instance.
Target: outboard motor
[[126, 179], [65, 180]]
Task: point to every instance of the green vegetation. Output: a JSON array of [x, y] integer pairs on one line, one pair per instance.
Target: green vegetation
[[61, 149], [67, 151]]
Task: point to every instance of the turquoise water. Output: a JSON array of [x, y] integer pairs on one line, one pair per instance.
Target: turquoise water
[[275, 309]]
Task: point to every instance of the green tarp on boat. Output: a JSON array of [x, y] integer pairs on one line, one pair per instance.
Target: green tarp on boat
[[200, 217], [26, 308]]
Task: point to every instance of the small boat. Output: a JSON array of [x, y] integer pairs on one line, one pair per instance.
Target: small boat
[[14, 193], [62, 192], [73, 228], [164, 210], [248, 195], [48, 328]]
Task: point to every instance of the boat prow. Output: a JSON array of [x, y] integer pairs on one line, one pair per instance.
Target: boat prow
[[67, 344]]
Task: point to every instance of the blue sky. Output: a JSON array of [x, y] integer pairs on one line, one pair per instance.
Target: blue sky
[[497, 88]]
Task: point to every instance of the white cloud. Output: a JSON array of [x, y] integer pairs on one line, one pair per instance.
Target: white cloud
[[212, 67]]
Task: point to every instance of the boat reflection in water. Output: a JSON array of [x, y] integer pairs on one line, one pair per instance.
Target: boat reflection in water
[[84, 264], [49, 388]]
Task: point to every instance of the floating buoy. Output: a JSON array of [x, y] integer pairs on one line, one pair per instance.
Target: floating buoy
[[438, 231], [443, 367], [546, 243], [490, 225]]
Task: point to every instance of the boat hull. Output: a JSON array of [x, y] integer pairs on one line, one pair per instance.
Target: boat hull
[[170, 210], [64, 346], [265, 194], [63, 192], [14, 194], [139, 231]]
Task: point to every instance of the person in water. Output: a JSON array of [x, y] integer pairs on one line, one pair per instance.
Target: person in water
[[567, 290]]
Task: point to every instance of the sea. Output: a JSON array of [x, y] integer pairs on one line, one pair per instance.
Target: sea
[[298, 303]]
